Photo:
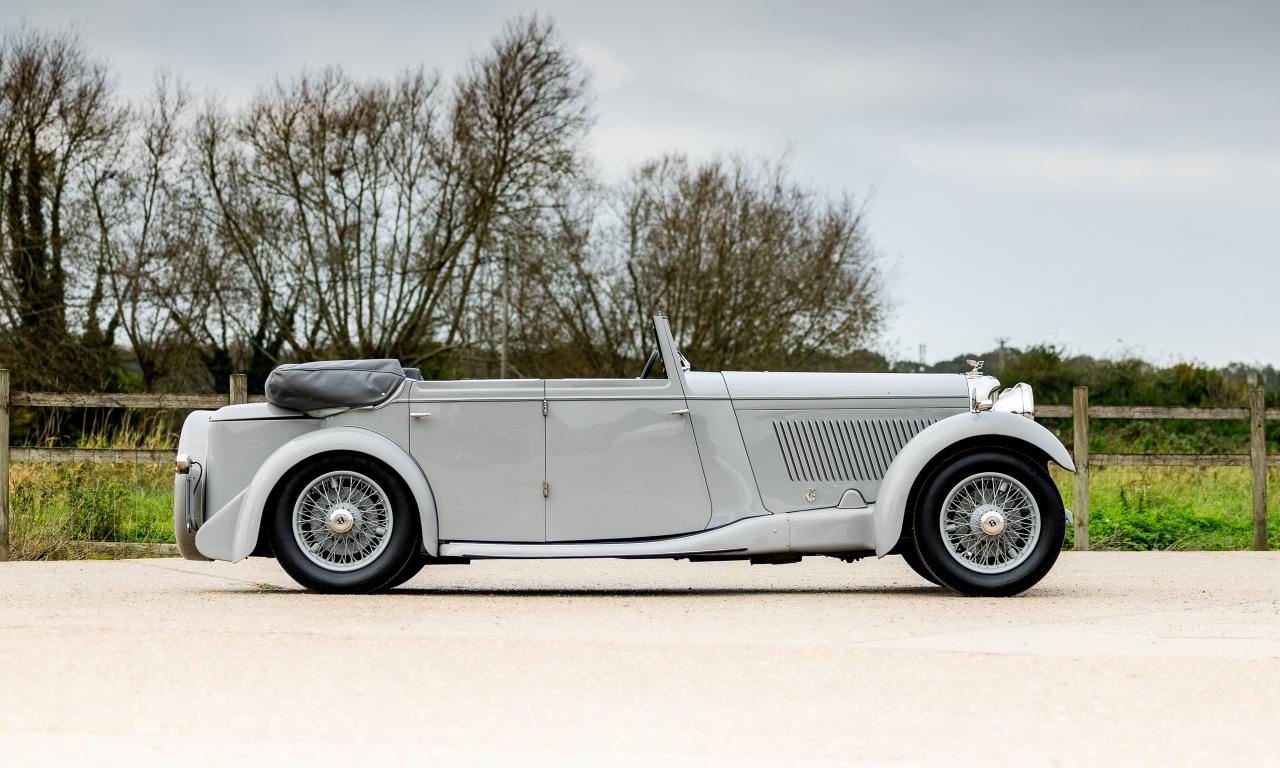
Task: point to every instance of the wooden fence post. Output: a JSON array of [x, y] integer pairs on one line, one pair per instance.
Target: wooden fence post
[[1258, 464], [1080, 442], [4, 465], [239, 389]]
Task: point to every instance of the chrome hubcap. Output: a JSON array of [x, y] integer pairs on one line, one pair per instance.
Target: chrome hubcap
[[342, 521], [990, 522]]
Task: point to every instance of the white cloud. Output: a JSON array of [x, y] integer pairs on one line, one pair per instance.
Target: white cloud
[[1156, 173], [609, 73]]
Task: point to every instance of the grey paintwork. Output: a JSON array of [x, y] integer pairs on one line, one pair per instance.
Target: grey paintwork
[[232, 532], [484, 455], [751, 388], [813, 531], [628, 458], [807, 458], [695, 463], [898, 481]]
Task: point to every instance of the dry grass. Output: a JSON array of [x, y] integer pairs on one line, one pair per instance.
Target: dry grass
[[53, 505]]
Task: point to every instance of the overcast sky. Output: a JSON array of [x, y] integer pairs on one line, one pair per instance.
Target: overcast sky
[[1106, 178]]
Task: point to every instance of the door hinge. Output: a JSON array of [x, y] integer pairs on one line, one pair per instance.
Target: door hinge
[[544, 407], [546, 489]]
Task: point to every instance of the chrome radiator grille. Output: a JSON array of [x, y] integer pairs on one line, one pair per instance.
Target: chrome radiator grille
[[833, 450]]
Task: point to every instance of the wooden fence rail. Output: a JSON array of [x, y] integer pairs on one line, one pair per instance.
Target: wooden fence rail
[[237, 392], [1080, 412]]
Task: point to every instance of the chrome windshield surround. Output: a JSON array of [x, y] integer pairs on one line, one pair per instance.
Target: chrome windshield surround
[[683, 361]]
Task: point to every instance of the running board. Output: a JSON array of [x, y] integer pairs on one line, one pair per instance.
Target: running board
[[815, 531]]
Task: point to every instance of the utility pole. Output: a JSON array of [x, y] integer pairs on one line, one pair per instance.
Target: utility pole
[[1001, 340], [923, 364], [506, 309]]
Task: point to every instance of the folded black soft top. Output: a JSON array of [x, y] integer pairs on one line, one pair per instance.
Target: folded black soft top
[[335, 384]]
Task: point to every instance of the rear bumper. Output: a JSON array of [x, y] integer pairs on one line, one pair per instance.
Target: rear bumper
[[185, 517], [189, 486]]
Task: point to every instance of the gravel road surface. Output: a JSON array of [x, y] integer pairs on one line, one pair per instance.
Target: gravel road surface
[[1116, 658]]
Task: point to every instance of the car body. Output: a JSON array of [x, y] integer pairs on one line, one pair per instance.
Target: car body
[[768, 467]]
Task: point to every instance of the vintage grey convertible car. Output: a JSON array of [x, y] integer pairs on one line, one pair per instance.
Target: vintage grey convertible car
[[356, 474]]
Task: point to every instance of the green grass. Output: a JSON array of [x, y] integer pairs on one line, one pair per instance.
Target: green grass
[[54, 504], [1131, 508], [1142, 508]]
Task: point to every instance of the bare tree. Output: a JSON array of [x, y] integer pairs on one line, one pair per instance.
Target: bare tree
[[456, 225], [143, 208], [753, 270], [236, 309], [319, 189], [369, 214], [519, 121], [56, 112], [571, 321]]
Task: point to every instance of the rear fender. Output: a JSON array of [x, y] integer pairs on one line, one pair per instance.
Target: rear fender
[[901, 477], [232, 532]]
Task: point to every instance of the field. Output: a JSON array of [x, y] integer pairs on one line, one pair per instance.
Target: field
[[1180, 508], [54, 505]]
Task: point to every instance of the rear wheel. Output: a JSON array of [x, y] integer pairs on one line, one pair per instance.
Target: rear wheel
[[411, 569], [344, 523], [989, 524]]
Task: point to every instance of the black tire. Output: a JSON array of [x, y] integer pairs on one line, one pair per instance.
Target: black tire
[[411, 569], [403, 540], [909, 553], [961, 575]]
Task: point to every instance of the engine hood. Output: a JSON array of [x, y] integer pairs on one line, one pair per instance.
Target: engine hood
[[837, 386]]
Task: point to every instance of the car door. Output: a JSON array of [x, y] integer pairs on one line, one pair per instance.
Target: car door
[[622, 461], [480, 444]]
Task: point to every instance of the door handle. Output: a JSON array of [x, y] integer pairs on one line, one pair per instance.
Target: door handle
[[418, 414], [681, 412]]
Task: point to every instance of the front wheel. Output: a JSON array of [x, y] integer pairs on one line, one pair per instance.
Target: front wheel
[[344, 523], [989, 524], [912, 558]]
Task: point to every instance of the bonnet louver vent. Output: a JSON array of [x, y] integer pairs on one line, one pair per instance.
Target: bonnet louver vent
[[832, 450]]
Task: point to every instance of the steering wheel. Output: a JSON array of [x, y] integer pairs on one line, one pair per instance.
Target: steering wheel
[[648, 365]]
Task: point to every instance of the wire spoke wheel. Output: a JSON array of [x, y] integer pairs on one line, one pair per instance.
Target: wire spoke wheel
[[342, 521], [990, 522]]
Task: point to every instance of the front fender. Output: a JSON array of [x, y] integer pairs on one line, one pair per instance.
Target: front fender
[[895, 488], [232, 532]]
